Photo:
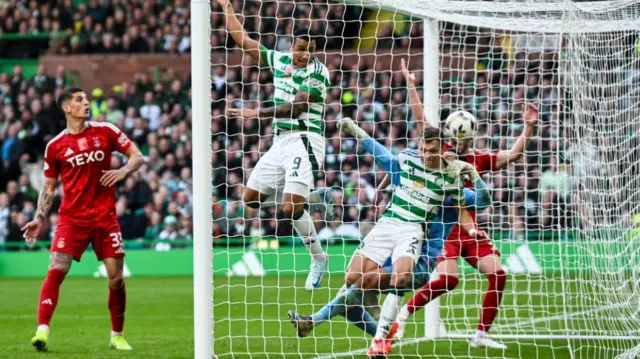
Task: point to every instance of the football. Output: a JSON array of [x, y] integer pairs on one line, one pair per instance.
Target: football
[[460, 125]]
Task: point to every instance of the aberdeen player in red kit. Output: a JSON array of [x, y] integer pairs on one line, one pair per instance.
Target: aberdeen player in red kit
[[481, 254], [81, 156]]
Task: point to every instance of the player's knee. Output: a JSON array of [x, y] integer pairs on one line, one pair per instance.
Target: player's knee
[[351, 279], [62, 267], [116, 281], [400, 280], [450, 281], [251, 199], [288, 209]]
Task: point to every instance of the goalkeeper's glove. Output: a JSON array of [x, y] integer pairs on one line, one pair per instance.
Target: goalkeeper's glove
[[463, 169]]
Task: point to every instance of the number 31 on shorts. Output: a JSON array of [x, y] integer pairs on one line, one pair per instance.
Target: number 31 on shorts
[[117, 239]]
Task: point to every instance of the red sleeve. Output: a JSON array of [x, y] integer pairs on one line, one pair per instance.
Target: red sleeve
[[51, 163], [117, 138], [486, 161]]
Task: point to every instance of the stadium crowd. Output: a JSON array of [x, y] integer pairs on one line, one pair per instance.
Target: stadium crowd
[[156, 202]]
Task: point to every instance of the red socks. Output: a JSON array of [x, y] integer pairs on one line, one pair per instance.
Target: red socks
[[432, 290], [49, 295], [117, 306], [492, 299]]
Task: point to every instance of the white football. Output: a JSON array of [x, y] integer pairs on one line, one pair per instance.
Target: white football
[[461, 125]]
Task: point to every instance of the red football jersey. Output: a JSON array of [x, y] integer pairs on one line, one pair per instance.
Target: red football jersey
[[484, 161], [80, 160]]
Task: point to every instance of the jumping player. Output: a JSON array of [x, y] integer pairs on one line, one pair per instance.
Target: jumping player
[[286, 173], [481, 254], [81, 156]]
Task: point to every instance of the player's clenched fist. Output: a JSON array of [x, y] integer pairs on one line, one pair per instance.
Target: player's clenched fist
[[478, 234], [32, 230]]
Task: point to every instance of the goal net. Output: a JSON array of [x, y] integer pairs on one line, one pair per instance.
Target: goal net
[[565, 215]]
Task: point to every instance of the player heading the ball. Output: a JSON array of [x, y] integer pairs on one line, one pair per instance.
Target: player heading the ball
[[81, 157], [287, 172]]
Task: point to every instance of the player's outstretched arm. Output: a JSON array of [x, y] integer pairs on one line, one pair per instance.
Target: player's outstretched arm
[[45, 201], [414, 98], [517, 151], [238, 33], [110, 178]]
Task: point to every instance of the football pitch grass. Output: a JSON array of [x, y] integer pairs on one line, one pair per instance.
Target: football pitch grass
[[250, 321]]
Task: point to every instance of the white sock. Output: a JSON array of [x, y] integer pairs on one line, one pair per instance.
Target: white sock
[[113, 334], [305, 228], [404, 314], [43, 327], [388, 314], [481, 334]]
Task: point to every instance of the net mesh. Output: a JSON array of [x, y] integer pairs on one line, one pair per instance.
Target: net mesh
[[563, 215]]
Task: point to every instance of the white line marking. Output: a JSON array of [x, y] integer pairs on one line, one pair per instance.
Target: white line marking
[[462, 336]]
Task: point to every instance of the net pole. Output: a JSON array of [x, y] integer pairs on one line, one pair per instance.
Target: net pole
[[201, 137], [431, 98]]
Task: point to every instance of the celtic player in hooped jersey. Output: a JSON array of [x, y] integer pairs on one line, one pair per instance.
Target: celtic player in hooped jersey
[[286, 173]]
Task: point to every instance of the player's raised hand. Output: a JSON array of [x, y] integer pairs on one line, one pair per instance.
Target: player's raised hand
[[222, 3], [411, 78], [245, 113], [530, 115], [478, 234], [110, 178], [32, 230]]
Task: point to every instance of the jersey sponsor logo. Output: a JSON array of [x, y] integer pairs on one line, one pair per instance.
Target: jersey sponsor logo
[[82, 144], [68, 153], [87, 157], [313, 83]]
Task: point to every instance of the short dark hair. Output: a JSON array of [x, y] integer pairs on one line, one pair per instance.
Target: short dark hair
[[304, 33], [431, 134], [66, 95]]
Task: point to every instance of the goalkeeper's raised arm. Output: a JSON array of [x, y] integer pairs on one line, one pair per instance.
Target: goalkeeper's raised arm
[[238, 33]]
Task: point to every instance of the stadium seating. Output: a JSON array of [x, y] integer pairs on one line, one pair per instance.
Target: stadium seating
[[156, 202]]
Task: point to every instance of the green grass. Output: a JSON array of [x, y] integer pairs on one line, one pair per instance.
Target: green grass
[[250, 320]]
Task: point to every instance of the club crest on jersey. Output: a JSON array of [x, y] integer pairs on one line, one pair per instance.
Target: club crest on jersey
[[96, 142], [82, 144], [60, 242]]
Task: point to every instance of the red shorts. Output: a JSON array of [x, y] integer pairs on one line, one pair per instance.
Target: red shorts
[[467, 248], [73, 238]]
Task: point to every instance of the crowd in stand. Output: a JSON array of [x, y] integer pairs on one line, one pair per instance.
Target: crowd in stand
[[153, 203], [156, 202]]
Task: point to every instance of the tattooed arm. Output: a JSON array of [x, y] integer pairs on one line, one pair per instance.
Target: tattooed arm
[[45, 201]]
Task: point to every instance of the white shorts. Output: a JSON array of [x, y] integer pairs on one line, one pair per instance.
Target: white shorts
[[393, 238], [290, 165]]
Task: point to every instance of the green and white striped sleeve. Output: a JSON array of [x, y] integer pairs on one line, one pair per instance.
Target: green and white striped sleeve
[[268, 57]]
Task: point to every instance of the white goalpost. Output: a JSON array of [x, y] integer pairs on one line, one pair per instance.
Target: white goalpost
[[202, 201], [565, 216]]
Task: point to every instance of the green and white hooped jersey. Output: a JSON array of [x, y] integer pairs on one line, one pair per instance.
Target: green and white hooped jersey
[[288, 80], [421, 192]]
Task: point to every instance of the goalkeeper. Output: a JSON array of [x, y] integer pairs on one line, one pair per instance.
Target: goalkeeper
[[438, 231]]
